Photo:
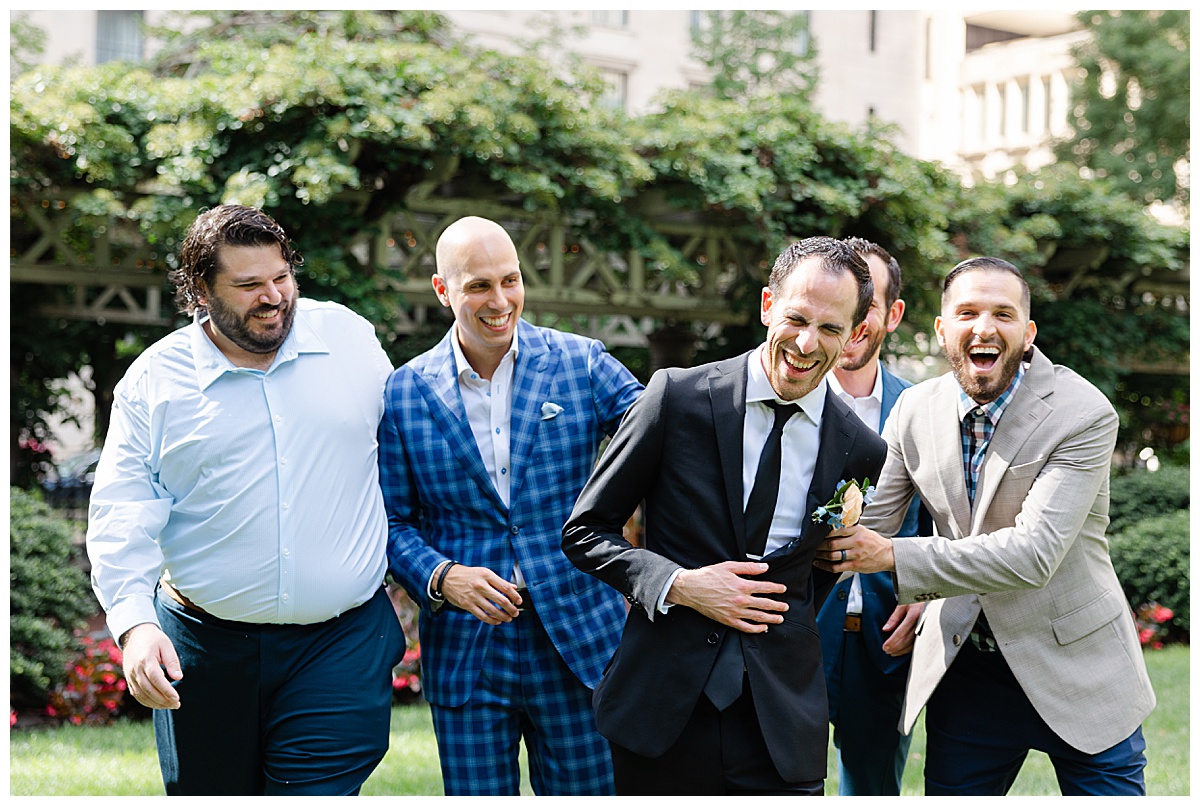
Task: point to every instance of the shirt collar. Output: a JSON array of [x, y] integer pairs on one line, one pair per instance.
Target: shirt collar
[[994, 408], [211, 363], [461, 365], [876, 391], [758, 389]]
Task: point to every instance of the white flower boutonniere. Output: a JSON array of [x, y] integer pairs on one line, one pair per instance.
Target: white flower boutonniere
[[846, 506], [550, 410]]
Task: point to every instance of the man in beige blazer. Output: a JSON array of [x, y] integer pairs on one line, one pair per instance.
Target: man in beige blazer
[[1026, 641]]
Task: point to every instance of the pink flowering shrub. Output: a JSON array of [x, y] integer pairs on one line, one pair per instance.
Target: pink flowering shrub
[[94, 691], [1153, 622]]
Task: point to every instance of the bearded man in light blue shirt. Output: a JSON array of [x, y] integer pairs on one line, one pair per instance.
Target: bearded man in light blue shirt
[[237, 533]]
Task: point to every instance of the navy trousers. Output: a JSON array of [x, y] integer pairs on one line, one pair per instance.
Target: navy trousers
[[278, 709], [980, 726], [871, 750]]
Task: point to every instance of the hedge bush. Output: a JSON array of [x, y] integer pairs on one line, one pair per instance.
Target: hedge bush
[[49, 598], [1152, 560], [1136, 495]]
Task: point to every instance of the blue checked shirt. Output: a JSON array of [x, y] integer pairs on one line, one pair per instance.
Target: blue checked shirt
[[257, 493], [978, 425]]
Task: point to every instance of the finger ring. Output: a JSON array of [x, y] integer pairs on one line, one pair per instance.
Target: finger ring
[[843, 555]]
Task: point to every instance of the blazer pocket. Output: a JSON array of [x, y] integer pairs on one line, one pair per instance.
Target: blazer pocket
[[1086, 620], [1028, 469]]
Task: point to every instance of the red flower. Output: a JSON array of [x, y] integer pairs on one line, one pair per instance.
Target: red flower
[[1162, 614], [1145, 635], [12, 718]]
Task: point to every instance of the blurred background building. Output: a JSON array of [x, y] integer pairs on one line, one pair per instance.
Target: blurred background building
[[979, 91]]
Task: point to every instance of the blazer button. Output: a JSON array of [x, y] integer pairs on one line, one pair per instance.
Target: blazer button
[[713, 638], [957, 640], [843, 596], [514, 529]]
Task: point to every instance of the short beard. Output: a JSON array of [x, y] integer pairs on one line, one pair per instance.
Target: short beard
[[235, 328], [975, 390], [873, 347]]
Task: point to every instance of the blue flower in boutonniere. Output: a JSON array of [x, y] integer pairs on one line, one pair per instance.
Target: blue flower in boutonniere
[[846, 506], [550, 410]]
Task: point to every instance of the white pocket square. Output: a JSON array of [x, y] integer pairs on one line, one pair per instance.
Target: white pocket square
[[550, 410]]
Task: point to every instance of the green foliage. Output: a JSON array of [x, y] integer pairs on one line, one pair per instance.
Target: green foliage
[[49, 597], [756, 52], [1152, 558], [1131, 108], [1091, 255], [1137, 495]]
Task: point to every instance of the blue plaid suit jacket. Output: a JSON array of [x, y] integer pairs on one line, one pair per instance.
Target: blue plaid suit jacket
[[442, 505]]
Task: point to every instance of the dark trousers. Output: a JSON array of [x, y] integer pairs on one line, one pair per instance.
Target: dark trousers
[[871, 749], [980, 726], [719, 753], [275, 709]]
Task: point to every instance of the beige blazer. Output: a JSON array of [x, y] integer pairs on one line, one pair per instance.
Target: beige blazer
[[1033, 554]]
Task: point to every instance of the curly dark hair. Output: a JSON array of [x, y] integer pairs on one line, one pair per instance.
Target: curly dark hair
[[838, 257], [224, 225]]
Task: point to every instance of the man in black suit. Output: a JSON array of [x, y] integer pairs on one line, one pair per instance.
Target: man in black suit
[[717, 686]]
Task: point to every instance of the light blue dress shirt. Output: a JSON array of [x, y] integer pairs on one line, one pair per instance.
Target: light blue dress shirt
[[255, 493]]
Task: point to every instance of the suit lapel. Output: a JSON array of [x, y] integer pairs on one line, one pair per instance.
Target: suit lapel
[[727, 395], [891, 390], [838, 429], [1021, 418], [446, 408], [532, 385], [942, 421]]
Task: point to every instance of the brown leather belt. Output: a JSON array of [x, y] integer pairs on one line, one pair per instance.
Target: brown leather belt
[[179, 597], [853, 622]]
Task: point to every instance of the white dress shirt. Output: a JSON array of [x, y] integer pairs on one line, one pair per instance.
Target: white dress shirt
[[488, 405], [800, 443], [256, 494], [870, 410]]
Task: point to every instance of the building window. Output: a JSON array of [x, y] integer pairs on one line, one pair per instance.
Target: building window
[[872, 26], [611, 19], [617, 82], [118, 36], [804, 38]]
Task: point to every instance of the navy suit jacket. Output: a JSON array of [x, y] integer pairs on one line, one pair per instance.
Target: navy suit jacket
[[568, 393], [879, 597]]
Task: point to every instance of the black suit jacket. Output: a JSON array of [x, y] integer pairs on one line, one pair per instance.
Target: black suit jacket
[[679, 452]]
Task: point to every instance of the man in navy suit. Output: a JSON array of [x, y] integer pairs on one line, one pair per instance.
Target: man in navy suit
[[717, 686], [866, 646], [485, 443]]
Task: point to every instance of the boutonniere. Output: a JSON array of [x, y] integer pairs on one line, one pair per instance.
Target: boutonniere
[[846, 506], [550, 410]]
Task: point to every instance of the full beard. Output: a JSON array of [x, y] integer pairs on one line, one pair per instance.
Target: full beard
[[238, 330], [979, 390]]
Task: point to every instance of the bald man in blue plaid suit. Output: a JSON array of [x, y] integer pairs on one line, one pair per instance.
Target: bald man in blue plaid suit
[[486, 441]]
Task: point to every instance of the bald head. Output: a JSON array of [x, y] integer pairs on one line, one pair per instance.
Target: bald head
[[473, 242], [479, 278]]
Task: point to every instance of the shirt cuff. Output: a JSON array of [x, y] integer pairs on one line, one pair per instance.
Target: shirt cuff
[[662, 606], [128, 613], [435, 600]]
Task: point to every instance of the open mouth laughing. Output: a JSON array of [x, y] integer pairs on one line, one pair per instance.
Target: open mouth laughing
[[983, 357]]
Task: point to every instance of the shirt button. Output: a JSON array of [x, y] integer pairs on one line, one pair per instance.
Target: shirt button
[[287, 552], [504, 471], [278, 418], [284, 597], [285, 506], [497, 430]]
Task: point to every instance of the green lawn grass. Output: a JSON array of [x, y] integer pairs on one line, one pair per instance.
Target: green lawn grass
[[120, 760]]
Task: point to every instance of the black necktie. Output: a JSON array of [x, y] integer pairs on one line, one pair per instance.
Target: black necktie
[[760, 507], [724, 684]]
